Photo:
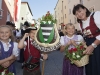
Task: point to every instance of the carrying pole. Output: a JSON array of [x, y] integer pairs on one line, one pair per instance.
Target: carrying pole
[[43, 65]]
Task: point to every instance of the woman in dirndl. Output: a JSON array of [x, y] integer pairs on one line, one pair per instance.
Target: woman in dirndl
[[90, 26]]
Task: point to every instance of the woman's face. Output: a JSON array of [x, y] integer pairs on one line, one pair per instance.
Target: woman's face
[[70, 30], [5, 33], [81, 14], [32, 34]]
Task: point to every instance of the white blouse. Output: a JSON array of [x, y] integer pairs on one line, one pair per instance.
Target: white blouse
[[80, 38], [15, 49], [96, 17]]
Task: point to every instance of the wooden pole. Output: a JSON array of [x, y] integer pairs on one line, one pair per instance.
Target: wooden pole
[[43, 65]]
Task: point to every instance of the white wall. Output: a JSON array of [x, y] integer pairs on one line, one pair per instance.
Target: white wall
[[25, 13]]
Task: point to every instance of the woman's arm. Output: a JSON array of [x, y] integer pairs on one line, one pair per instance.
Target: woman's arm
[[97, 22]]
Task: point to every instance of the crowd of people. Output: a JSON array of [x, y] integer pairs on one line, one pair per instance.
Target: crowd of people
[[16, 43]]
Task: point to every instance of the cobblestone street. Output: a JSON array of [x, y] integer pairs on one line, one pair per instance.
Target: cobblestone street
[[53, 66]]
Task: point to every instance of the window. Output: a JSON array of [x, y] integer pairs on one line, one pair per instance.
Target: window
[[0, 4], [61, 11], [61, 18], [68, 1], [1, 11], [22, 18], [75, 20], [81, 1], [55, 13], [91, 9], [9, 1], [65, 15], [65, 7], [8, 16], [69, 11], [70, 21]]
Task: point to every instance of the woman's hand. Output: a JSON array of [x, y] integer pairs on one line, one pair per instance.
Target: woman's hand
[[89, 50]]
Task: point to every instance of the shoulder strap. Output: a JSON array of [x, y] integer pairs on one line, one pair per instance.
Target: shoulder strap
[[93, 14]]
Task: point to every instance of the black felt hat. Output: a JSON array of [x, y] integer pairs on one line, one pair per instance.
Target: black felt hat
[[26, 24], [29, 29], [10, 23]]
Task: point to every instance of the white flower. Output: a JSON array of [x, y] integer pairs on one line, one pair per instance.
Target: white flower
[[49, 22], [73, 53], [44, 22], [77, 56], [3, 73]]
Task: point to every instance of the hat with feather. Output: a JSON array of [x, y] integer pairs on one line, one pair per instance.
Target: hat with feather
[[31, 27]]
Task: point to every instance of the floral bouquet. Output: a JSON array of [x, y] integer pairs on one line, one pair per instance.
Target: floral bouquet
[[76, 55], [48, 18], [5, 71]]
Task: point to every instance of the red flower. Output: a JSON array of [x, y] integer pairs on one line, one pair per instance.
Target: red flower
[[63, 25], [6, 72], [71, 50], [32, 25], [47, 14], [81, 47], [75, 49], [1, 70]]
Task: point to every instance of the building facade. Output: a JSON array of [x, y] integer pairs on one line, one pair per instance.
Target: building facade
[[63, 10], [92, 5], [25, 14], [6, 11]]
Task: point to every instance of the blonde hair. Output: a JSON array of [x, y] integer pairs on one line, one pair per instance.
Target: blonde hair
[[68, 24], [12, 35]]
